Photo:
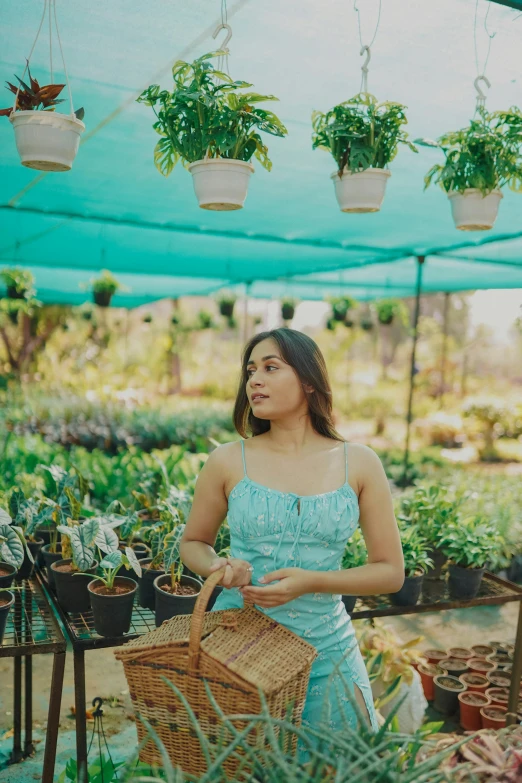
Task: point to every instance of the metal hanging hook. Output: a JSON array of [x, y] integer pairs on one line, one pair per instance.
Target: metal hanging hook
[[224, 47], [364, 67], [481, 97]]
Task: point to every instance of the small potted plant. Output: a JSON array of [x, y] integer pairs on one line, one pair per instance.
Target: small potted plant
[[45, 139], [474, 681], [390, 309], [112, 596], [13, 544], [175, 592], [226, 301], [480, 160], [25, 515], [355, 555], [498, 679], [340, 306], [468, 544], [366, 322], [454, 666], [362, 136], [19, 283], [427, 672], [482, 650], [7, 574], [416, 563], [493, 717], [211, 127], [78, 565], [481, 666], [104, 287], [288, 306], [447, 689], [471, 704]]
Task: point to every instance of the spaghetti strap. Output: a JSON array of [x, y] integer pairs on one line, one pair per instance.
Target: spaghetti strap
[[345, 461], [243, 454]]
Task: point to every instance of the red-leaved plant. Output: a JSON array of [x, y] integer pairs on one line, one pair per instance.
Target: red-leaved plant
[[33, 97]]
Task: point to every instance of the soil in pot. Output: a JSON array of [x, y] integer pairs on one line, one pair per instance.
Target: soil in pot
[[6, 602], [434, 655], [71, 587], [7, 574], [146, 592], [349, 602], [112, 607], [482, 650], [26, 569], [49, 558], [470, 705], [454, 666], [464, 653], [481, 665], [169, 604], [499, 659], [498, 697], [427, 672], [499, 679], [447, 689], [410, 591], [493, 717], [464, 582], [474, 682]]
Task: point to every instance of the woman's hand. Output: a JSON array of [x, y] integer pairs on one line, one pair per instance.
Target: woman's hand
[[293, 583], [238, 572]]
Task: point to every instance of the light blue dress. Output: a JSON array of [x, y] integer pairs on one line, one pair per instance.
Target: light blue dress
[[272, 529]]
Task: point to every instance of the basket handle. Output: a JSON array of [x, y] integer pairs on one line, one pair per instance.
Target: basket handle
[[198, 615]]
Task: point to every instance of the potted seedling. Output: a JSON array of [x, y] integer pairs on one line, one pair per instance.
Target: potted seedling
[[468, 544], [175, 592], [208, 124], [112, 596], [78, 565], [288, 306], [19, 283], [416, 563], [226, 301], [474, 681], [104, 287], [340, 306], [470, 704], [355, 555], [454, 666], [493, 717], [362, 136], [390, 309], [7, 574], [45, 139], [447, 689], [480, 160], [13, 545], [155, 532], [427, 672]]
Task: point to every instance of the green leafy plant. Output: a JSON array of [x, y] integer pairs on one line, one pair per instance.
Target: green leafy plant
[[78, 542], [390, 309], [355, 553], [204, 321], [430, 509], [361, 133], [19, 282], [226, 301], [171, 555], [494, 416], [105, 283], [205, 115], [415, 551], [471, 543], [340, 306], [485, 155], [113, 562], [12, 541], [33, 97], [103, 770]]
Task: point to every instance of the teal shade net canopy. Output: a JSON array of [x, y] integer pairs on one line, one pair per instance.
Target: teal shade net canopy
[[115, 211]]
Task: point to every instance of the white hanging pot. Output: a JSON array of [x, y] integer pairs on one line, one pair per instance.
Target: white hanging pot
[[45, 140], [473, 211], [362, 191], [221, 184]]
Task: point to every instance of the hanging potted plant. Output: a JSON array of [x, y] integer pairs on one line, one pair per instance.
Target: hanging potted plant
[[480, 160], [366, 323], [416, 563], [340, 306], [355, 555], [175, 592], [288, 306], [45, 139], [468, 545], [389, 309], [208, 124], [112, 596], [362, 136], [104, 287], [226, 302], [19, 283]]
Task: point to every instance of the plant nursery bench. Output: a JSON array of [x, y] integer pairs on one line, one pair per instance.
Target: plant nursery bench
[[32, 629], [435, 597]]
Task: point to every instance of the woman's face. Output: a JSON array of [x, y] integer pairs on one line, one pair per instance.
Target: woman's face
[[273, 387]]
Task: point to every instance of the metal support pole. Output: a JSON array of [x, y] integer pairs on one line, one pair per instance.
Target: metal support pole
[[53, 717], [81, 720], [516, 674], [444, 349], [418, 289]]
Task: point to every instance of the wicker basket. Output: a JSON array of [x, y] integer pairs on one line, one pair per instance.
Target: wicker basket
[[236, 651]]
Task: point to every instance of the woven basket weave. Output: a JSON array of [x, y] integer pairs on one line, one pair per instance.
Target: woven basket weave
[[236, 652]]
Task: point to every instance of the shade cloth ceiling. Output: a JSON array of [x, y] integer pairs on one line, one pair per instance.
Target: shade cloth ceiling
[[114, 210]]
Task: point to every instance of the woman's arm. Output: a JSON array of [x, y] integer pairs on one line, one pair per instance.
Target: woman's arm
[[209, 509], [384, 571]]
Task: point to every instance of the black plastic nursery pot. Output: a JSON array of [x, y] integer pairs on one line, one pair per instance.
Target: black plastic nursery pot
[[71, 587], [45, 533], [447, 689], [140, 549], [7, 574], [168, 605], [6, 602], [102, 298], [26, 569], [49, 558], [112, 611], [14, 293], [287, 312], [349, 601], [409, 593], [439, 561], [146, 592], [515, 569], [464, 582], [226, 309]]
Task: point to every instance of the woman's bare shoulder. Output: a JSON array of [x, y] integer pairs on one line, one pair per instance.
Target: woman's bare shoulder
[[363, 463]]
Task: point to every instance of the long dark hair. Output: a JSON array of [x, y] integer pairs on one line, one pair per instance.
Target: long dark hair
[[304, 355]]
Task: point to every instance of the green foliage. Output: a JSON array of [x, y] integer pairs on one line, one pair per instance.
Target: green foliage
[[113, 562], [82, 538], [429, 509], [288, 305], [204, 320], [485, 155], [340, 306], [415, 551], [102, 770], [361, 133], [390, 309], [205, 115], [471, 543], [12, 541], [355, 553], [106, 282], [19, 281]]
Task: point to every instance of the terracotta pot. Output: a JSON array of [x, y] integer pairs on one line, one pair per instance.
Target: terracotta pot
[[493, 717], [464, 653], [481, 665], [475, 682], [427, 672], [447, 689], [498, 679], [498, 697], [434, 655], [482, 650], [471, 704], [454, 666]]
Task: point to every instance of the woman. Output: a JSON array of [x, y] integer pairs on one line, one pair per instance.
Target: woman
[[293, 494]]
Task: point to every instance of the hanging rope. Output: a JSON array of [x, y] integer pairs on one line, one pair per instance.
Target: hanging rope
[[99, 730], [366, 48], [481, 74], [222, 62]]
